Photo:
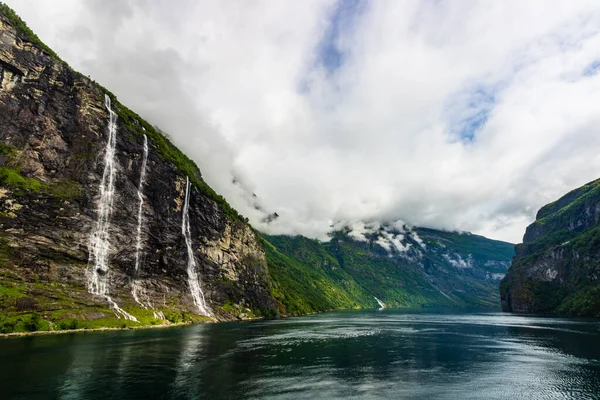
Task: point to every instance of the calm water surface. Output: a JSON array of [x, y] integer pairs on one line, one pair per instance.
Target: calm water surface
[[351, 355]]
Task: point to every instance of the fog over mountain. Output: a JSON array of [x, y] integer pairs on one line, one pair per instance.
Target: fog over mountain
[[453, 115]]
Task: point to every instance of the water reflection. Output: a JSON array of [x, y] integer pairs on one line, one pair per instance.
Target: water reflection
[[364, 355]]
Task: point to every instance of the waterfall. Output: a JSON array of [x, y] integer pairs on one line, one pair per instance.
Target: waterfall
[[100, 240], [98, 283], [193, 280], [119, 312], [381, 305], [138, 241], [136, 288]]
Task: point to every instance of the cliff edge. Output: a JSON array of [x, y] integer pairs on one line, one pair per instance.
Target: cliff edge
[[557, 267]]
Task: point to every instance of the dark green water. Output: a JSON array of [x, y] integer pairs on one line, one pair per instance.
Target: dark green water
[[351, 355]]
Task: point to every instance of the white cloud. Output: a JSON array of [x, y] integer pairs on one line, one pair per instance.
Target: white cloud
[[459, 115], [458, 262]]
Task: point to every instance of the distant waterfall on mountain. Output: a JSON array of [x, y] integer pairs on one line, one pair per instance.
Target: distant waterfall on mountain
[[193, 279], [100, 240], [381, 305], [135, 287]]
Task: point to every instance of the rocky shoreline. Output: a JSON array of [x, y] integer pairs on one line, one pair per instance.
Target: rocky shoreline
[[83, 330]]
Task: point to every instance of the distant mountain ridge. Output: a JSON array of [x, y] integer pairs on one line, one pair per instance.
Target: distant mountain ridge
[[557, 267], [400, 265]]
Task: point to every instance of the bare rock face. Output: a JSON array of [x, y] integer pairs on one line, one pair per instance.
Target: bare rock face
[[53, 133], [557, 267]]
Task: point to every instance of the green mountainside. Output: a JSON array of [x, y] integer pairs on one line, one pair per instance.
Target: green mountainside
[[309, 279], [433, 269]]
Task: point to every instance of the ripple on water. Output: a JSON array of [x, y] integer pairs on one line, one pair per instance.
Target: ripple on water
[[378, 355], [309, 335]]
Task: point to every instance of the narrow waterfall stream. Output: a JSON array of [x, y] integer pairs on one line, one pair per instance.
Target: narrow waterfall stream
[[381, 305], [193, 279], [135, 286], [100, 240], [138, 290]]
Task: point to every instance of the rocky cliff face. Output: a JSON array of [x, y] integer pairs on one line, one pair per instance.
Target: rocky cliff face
[[557, 267], [54, 134]]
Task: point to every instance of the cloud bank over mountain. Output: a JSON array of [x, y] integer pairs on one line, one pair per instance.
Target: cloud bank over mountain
[[454, 115]]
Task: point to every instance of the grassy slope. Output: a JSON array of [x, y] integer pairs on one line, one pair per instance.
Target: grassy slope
[[308, 279], [66, 306]]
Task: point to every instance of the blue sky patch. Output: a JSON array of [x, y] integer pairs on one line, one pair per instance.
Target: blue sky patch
[[469, 112], [592, 69], [330, 55]]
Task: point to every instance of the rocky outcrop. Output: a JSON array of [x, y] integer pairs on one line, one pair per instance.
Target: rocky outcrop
[[53, 134], [557, 267]]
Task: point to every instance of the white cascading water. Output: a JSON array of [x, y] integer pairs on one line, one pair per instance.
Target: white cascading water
[[381, 305], [100, 240], [135, 288], [193, 280]]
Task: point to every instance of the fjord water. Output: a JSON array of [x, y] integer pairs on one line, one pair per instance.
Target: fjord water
[[386, 354]]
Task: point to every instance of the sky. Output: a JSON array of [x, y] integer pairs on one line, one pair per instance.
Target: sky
[[457, 115]]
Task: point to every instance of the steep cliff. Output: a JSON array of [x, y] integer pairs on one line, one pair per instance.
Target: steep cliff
[[92, 214], [557, 267]]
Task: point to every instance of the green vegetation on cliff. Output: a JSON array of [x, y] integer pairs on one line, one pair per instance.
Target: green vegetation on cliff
[[23, 30], [11, 177], [51, 306], [557, 268], [563, 220], [308, 279], [136, 124]]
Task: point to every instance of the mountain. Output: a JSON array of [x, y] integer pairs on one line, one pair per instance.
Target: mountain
[[105, 223], [557, 267], [103, 220], [399, 265]]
